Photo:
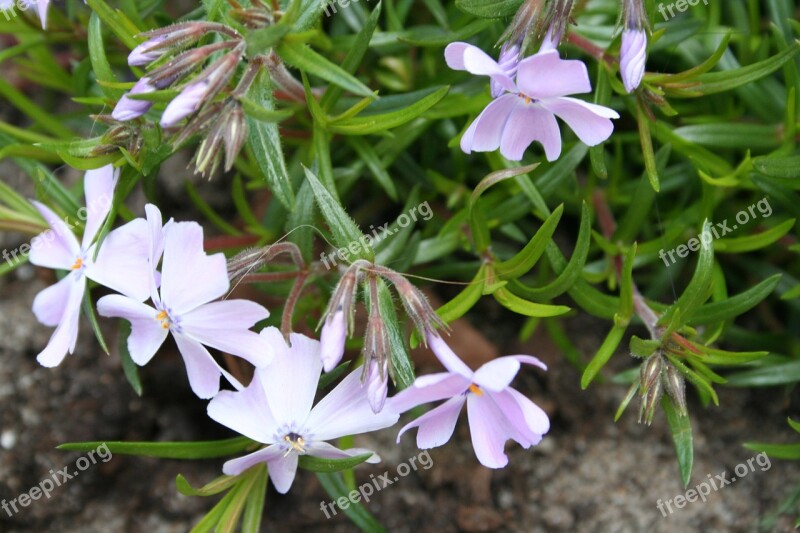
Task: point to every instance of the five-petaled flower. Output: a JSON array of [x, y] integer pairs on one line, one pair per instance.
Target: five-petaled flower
[[528, 109], [276, 410], [120, 264], [496, 411], [190, 281]]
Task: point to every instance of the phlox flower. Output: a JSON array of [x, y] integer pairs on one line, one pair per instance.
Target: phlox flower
[[496, 412], [121, 263], [527, 111], [184, 306], [276, 410]]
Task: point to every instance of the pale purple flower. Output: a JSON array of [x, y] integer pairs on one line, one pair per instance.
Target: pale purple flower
[[332, 339], [142, 55], [190, 282], [496, 412], [186, 103], [632, 58], [276, 410], [128, 108], [528, 111], [121, 263]]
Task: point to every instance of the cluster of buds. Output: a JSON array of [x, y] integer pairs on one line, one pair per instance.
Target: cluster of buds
[[119, 135], [657, 375], [337, 324], [164, 53], [538, 23], [633, 54]]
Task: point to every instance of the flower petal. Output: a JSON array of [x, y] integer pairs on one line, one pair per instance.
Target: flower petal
[[546, 75], [485, 133], [328, 451], [429, 388], [122, 262], [498, 374], [234, 467], [66, 334], [463, 56], [534, 417], [189, 277], [202, 369], [487, 430], [528, 123], [446, 356], [50, 304], [147, 334], [245, 411], [590, 122], [346, 411], [282, 472], [290, 381], [57, 247], [99, 187], [437, 425], [225, 325]]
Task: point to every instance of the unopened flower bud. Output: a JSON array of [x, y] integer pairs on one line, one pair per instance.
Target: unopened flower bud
[[650, 371], [676, 387], [147, 52], [128, 108], [332, 339], [377, 383], [186, 103], [652, 396]]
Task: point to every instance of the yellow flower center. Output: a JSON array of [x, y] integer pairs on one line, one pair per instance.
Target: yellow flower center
[[474, 389], [296, 442], [78, 264], [163, 316]]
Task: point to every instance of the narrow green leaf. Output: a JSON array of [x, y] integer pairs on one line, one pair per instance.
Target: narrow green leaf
[[220, 484], [128, 366], [607, 349], [168, 450], [345, 231], [301, 56], [335, 487], [681, 429], [524, 307], [521, 263]]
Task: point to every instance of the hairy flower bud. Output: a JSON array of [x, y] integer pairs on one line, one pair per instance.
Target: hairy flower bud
[[633, 53], [676, 387], [377, 384], [650, 371], [650, 399], [332, 339]]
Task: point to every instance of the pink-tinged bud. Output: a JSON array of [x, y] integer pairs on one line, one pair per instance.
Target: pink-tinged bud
[[509, 62], [332, 338], [632, 58], [128, 108], [145, 53], [185, 103], [377, 384]]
